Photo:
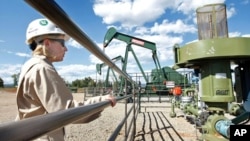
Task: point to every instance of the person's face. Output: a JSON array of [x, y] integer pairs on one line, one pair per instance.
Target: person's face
[[56, 48]]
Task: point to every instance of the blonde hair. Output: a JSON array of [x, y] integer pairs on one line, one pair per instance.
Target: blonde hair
[[42, 50]]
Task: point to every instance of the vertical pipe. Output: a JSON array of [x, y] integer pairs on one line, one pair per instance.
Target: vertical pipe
[[126, 111]]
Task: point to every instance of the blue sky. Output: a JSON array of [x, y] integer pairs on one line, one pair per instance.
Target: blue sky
[[164, 22]]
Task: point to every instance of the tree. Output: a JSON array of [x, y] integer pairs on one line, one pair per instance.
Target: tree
[[15, 79], [1, 83], [92, 83], [86, 82]]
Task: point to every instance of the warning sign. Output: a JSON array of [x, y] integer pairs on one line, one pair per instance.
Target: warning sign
[[170, 84]]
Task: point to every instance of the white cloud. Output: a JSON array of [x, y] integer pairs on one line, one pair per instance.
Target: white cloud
[[136, 13], [7, 70], [130, 13], [189, 6], [114, 49], [246, 35], [174, 27], [238, 34], [74, 43], [230, 12], [234, 34], [139, 12], [75, 71], [164, 44], [22, 54]]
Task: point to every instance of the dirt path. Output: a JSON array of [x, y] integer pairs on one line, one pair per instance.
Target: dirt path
[[7, 106]]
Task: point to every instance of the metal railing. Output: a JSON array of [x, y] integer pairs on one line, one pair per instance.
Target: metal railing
[[34, 127]]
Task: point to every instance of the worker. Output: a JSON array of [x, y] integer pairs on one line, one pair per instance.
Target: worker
[[40, 89]]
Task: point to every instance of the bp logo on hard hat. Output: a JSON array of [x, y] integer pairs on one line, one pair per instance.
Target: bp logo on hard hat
[[43, 22]]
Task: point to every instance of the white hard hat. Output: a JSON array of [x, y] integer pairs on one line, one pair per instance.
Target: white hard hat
[[41, 27]]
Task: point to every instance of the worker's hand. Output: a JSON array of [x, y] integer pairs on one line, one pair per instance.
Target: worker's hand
[[112, 100]]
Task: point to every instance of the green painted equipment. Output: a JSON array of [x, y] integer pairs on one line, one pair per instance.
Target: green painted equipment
[[211, 58], [113, 34], [169, 75], [158, 75], [100, 66]]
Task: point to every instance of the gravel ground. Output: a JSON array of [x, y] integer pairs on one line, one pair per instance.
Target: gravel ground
[[153, 123]]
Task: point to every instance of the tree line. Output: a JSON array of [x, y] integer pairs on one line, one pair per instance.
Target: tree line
[[88, 82], [79, 83]]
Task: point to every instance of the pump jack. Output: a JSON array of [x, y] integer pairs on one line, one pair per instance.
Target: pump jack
[[113, 34], [99, 69]]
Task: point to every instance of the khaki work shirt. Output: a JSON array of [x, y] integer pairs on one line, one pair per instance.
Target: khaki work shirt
[[41, 90]]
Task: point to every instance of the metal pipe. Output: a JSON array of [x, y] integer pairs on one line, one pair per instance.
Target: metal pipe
[[51, 10], [246, 103], [119, 127], [242, 117], [40, 125], [223, 127]]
